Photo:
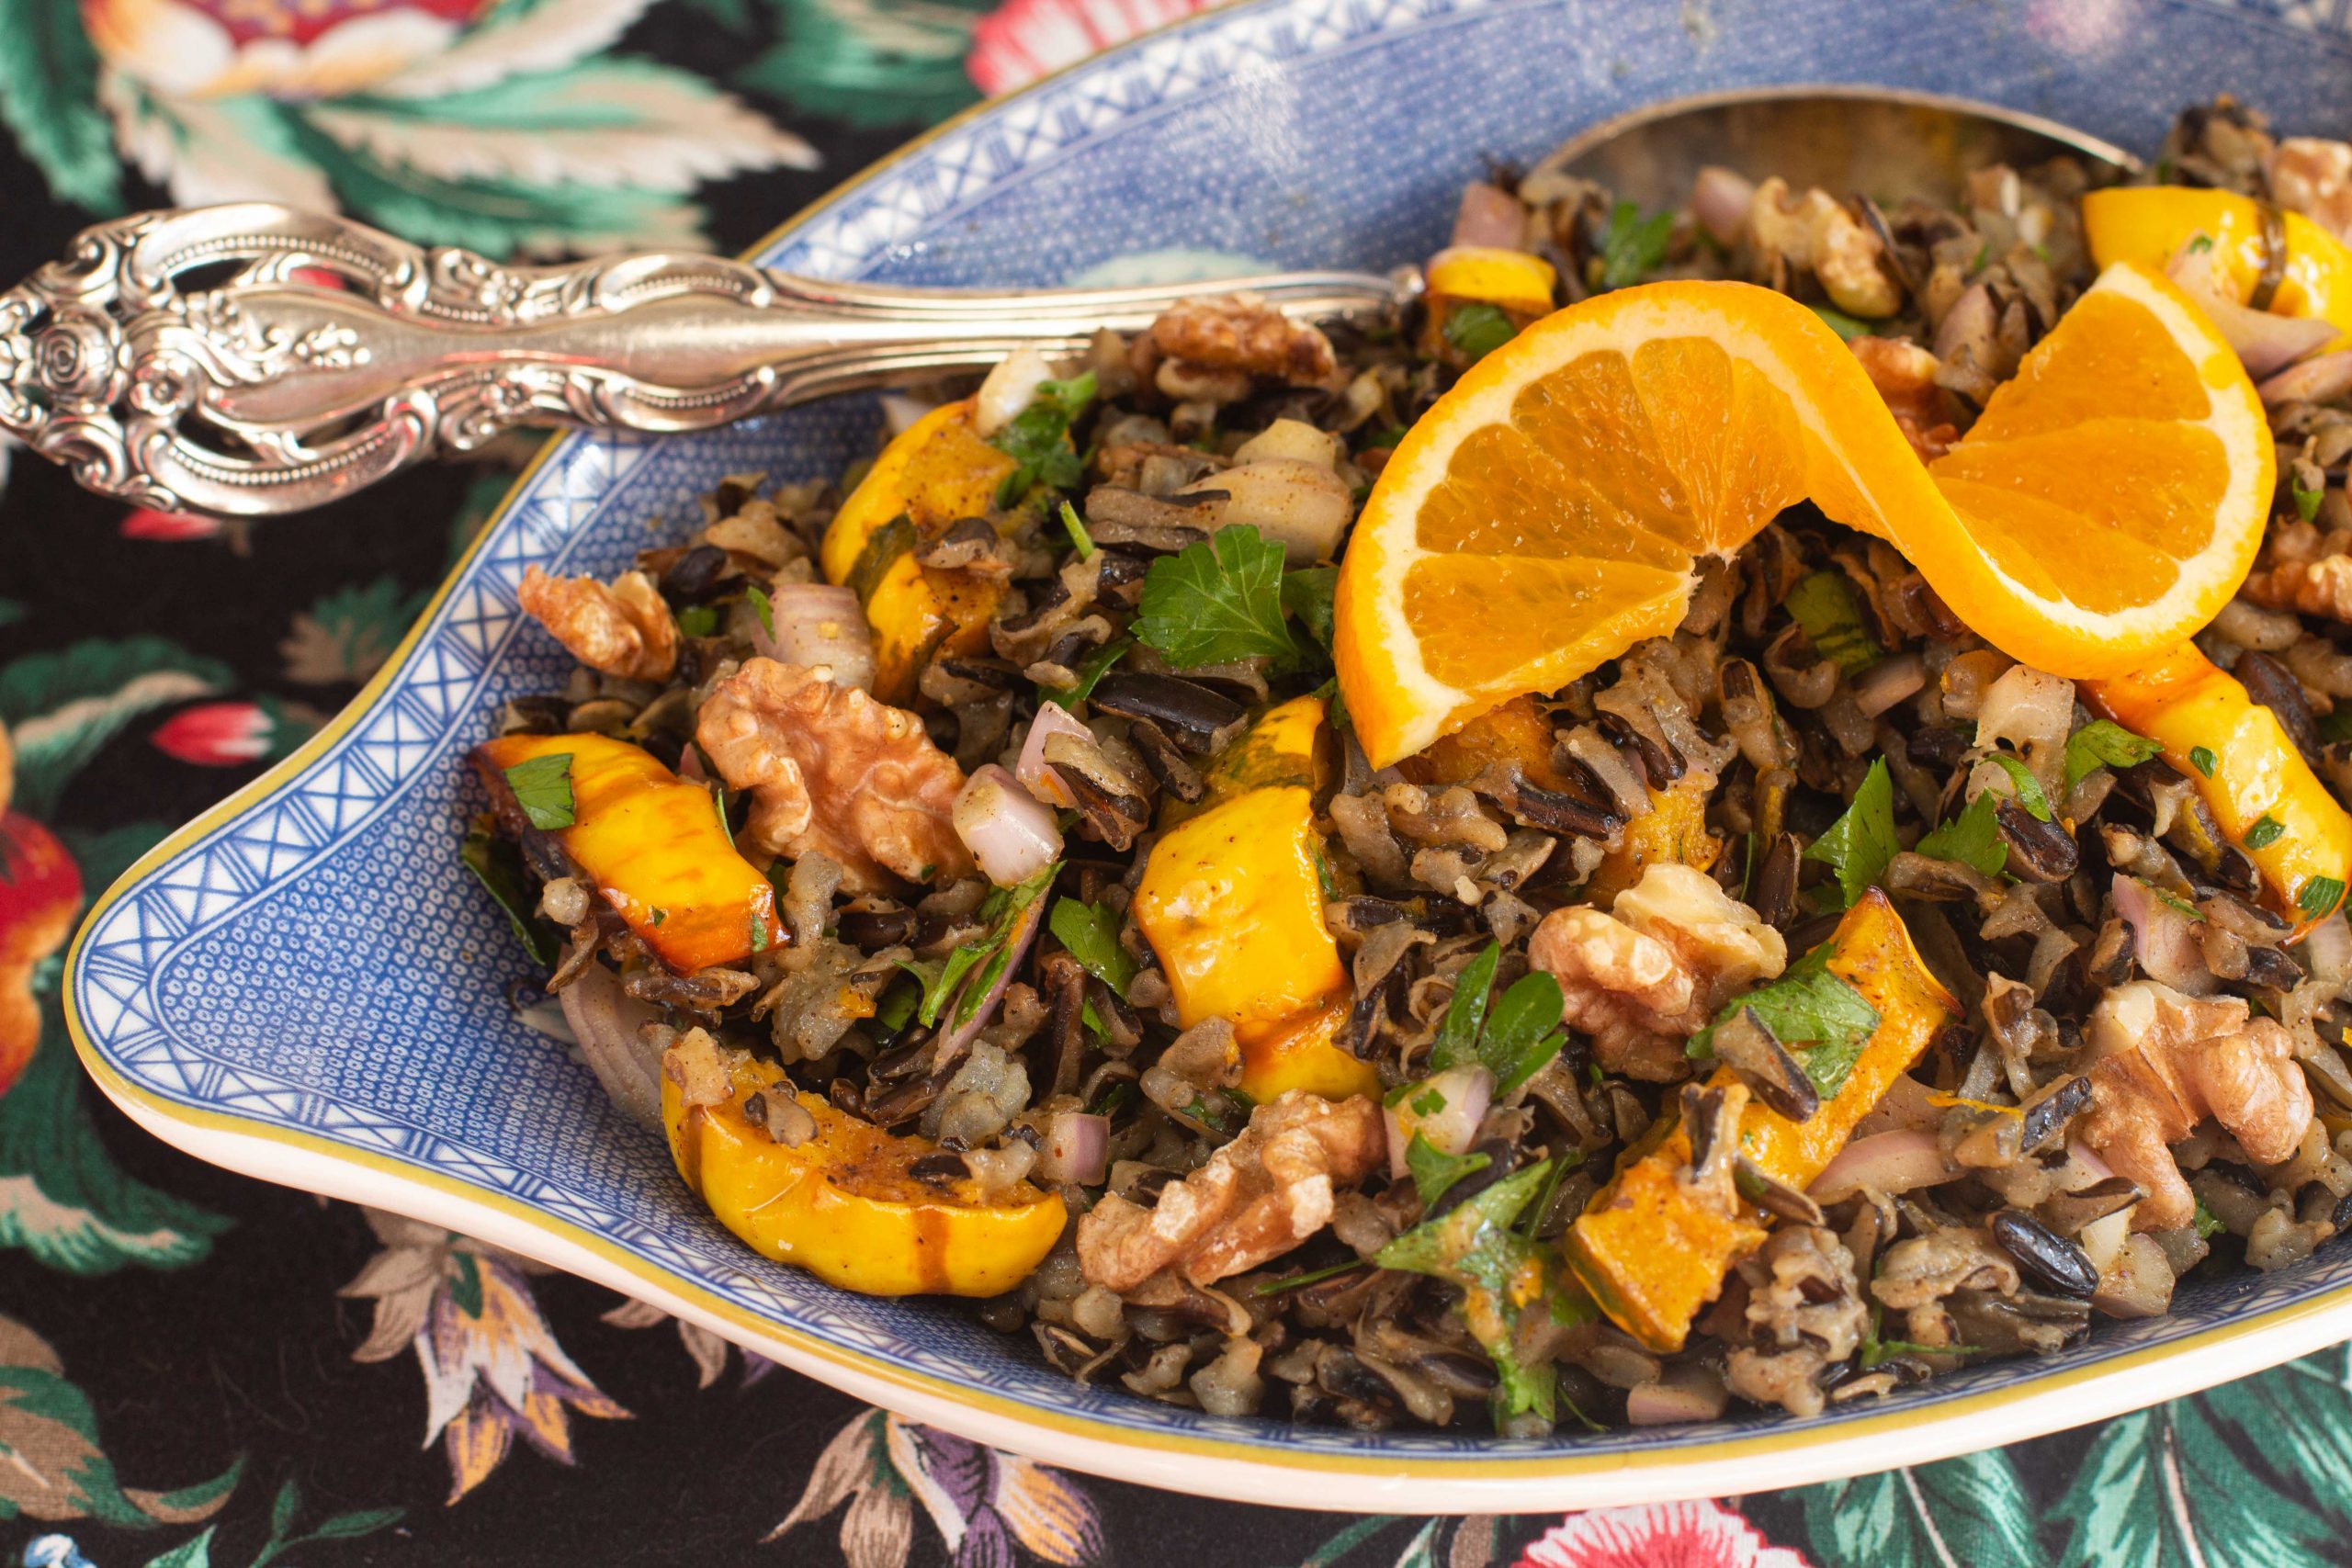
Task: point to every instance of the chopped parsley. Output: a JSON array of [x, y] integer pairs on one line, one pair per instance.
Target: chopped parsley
[[542, 788], [1859, 844], [1634, 246], [1306, 594], [1516, 1041], [1847, 327], [1090, 670], [1822, 602], [2319, 896], [1823, 1021], [1091, 932], [1503, 1276], [1079, 538], [497, 864], [1218, 601], [1476, 329], [1973, 838], [2201, 758], [1875, 1349], [762, 607], [2028, 787], [697, 620], [759, 932], [2105, 743], [2266, 832], [1037, 439], [2208, 1225], [2306, 501], [1312, 1277], [1004, 909], [1435, 1171]]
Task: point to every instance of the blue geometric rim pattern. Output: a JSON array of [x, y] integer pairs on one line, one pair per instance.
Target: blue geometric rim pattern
[[318, 962]]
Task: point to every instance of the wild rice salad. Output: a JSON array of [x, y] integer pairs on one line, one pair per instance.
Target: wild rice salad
[[1052, 943]]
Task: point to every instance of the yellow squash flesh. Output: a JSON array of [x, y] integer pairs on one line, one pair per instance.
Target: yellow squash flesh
[[1650, 1254], [1285, 747], [654, 847], [843, 1205], [2185, 704], [1232, 902], [1673, 833], [2148, 224], [935, 472]]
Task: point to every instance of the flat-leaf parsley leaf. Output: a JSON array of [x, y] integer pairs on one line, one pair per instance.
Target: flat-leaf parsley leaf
[[542, 788], [1218, 601], [1859, 844]]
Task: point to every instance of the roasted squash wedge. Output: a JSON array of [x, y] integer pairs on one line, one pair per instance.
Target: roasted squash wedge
[[845, 1204], [1652, 1254], [1232, 902], [652, 843], [935, 472], [1673, 833], [2261, 792]]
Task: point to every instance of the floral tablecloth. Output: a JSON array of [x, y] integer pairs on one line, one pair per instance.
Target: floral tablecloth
[[196, 1370]]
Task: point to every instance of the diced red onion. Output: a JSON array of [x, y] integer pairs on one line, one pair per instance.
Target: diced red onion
[[1490, 215], [1077, 1148], [1889, 682], [2102, 1239], [2264, 343], [2028, 707], [2139, 1283], [2315, 381], [1719, 201], [1009, 389], [819, 623], [690, 766], [1016, 948], [1884, 1162], [2163, 937], [1906, 1104], [1011, 832], [1968, 327], [607, 1021], [1676, 1400], [1032, 769], [901, 414], [2327, 948], [1465, 1093]]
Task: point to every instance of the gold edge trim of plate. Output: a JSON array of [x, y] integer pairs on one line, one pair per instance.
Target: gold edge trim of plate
[[1503, 1469]]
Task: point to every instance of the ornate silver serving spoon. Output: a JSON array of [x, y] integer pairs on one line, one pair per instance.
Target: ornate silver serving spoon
[[252, 359]]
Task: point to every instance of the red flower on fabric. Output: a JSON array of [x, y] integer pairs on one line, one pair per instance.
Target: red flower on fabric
[[148, 523], [1018, 42], [217, 734], [1658, 1535], [41, 893]]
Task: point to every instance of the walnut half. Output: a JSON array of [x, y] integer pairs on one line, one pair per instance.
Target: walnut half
[[1257, 1197], [2162, 1063], [1643, 979], [832, 772], [624, 629]]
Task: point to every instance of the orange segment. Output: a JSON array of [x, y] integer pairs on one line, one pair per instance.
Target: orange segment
[[1549, 511]]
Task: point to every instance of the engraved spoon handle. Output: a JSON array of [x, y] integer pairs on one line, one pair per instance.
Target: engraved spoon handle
[[251, 359]]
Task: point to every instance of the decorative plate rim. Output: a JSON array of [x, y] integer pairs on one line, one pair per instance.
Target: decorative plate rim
[[1496, 1477]]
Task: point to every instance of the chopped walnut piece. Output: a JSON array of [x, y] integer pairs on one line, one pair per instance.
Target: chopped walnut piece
[[1644, 978], [2313, 177], [622, 630], [2307, 571], [1241, 331], [2163, 1062], [1257, 1197], [1804, 1314], [1817, 233], [1904, 375], [831, 770]]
